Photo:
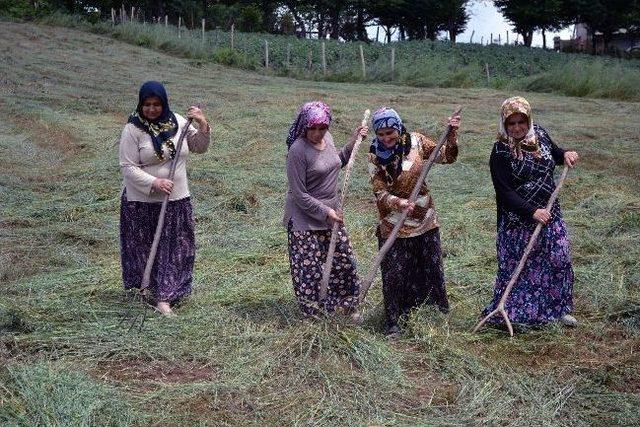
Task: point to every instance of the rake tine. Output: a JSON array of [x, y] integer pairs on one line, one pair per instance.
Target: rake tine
[[144, 317]]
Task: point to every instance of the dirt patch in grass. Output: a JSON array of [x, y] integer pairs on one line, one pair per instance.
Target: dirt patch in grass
[[154, 371]]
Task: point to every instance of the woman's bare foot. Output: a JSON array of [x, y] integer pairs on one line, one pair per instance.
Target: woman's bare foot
[[165, 309]]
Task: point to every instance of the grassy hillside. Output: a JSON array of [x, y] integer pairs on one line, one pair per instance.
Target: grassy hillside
[[417, 63], [239, 352]]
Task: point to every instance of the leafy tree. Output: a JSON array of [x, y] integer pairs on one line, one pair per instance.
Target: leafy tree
[[524, 15], [454, 16]]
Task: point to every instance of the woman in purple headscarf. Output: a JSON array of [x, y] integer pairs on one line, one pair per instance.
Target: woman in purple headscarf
[[147, 149], [313, 165], [412, 272]]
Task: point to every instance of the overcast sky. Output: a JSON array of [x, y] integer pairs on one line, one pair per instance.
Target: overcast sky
[[486, 19]]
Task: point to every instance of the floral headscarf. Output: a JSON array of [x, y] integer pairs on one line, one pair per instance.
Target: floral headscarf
[[161, 129], [311, 114], [529, 143], [386, 117]]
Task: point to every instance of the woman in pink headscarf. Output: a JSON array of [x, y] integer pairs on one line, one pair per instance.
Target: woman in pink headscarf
[[313, 165]]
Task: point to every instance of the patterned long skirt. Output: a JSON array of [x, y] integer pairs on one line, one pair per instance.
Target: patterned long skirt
[[172, 272], [412, 274], [307, 254], [544, 290]]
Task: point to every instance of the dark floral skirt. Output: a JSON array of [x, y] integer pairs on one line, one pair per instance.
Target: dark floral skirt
[[307, 254], [544, 290], [172, 272], [412, 274]]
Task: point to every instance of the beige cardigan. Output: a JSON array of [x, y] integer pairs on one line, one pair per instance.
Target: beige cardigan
[[140, 166]]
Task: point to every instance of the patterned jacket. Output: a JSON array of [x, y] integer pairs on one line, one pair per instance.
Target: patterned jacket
[[423, 218]]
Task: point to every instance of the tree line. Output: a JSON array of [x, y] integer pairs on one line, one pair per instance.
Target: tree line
[[348, 19]]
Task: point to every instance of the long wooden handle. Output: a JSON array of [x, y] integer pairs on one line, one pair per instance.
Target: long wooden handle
[[326, 270], [532, 240], [412, 198], [146, 278]]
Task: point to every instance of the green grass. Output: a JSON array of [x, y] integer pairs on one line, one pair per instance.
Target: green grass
[[417, 63], [239, 352]]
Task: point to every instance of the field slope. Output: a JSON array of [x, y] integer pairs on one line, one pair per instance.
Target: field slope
[[239, 352]]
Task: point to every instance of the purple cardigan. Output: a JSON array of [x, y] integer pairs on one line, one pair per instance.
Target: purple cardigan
[[313, 182]]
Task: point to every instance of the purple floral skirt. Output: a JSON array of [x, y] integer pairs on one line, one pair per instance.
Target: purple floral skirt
[[307, 254], [412, 274], [544, 290], [172, 272]]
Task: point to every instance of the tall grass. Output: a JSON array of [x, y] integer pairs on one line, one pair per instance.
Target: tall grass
[[239, 352], [417, 63]]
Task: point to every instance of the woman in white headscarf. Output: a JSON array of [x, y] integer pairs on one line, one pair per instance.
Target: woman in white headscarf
[[522, 163]]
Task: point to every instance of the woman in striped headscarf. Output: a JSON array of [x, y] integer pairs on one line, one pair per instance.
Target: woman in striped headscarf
[[412, 272]]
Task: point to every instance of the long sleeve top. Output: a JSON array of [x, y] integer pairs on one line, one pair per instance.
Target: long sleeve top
[[313, 180], [524, 185], [140, 166], [423, 217]]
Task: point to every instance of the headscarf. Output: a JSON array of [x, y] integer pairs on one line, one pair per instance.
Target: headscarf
[[161, 129], [386, 117], [529, 143], [311, 114]]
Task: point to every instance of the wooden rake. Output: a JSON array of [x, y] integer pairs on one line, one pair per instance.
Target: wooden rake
[[412, 198], [146, 278], [532, 240], [326, 270]]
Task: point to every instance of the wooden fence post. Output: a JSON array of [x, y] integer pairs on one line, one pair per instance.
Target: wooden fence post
[[309, 60], [324, 60], [202, 30], [499, 38], [166, 21], [507, 37], [179, 26], [471, 38], [486, 67], [113, 17], [232, 31], [393, 62], [481, 40], [288, 55], [364, 68], [491, 39], [266, 54], [133, 13]]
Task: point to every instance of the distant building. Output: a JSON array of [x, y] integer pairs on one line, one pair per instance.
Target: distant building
[[582, 40]]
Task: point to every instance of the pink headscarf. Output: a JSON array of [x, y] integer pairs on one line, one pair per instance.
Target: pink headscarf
[[310, 114]]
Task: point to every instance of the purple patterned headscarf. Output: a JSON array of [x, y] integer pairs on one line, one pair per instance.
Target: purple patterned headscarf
[[310, 114]]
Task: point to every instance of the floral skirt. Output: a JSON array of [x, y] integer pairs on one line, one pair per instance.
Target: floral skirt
[[544, 290], [172, 272], [412, 274], [307, 254]]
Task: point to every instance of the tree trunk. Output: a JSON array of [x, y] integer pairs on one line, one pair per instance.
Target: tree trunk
[[527, 37], [544, 39], [321, 31], [335, 24]]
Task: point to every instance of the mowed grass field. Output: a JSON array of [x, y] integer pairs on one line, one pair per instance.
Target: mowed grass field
[[239, 352]]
